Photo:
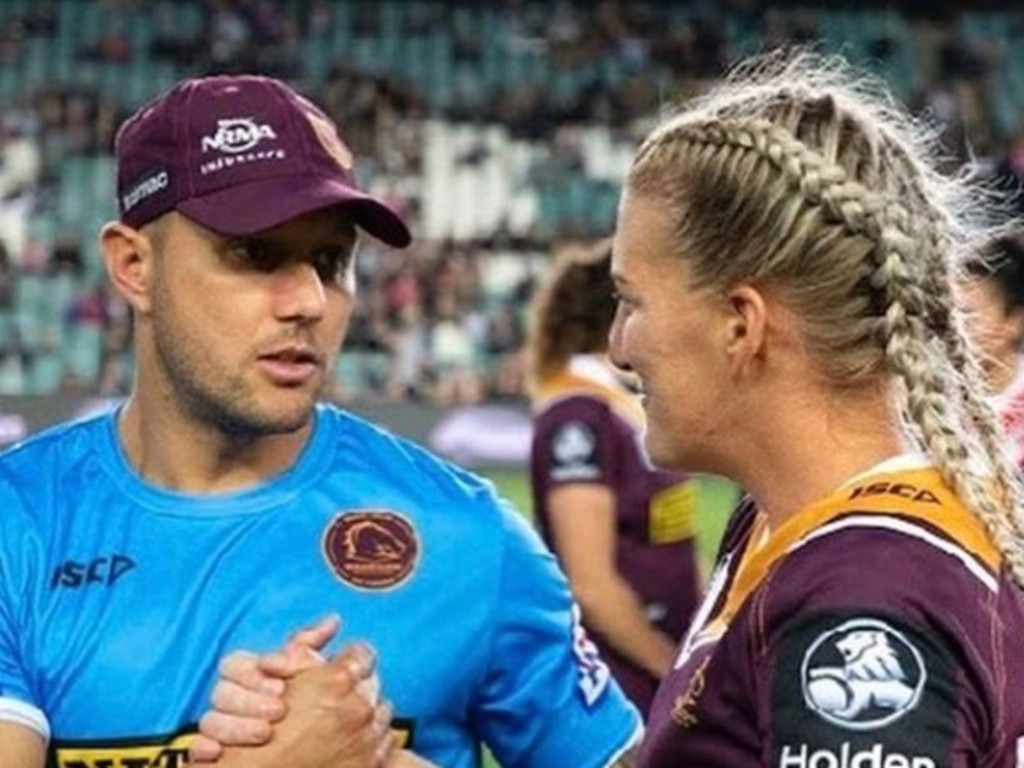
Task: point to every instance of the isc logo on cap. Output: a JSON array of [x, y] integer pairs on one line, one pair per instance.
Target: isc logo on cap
[[237, 134]]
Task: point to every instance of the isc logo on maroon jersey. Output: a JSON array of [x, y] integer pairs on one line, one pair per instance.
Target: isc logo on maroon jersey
[[371, 549]]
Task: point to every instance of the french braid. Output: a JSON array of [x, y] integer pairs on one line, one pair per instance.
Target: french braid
[[857, 200]]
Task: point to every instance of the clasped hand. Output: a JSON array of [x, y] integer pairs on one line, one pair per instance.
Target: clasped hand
[[295, 708]]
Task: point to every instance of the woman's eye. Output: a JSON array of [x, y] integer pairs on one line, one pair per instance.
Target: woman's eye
[[621, 302]]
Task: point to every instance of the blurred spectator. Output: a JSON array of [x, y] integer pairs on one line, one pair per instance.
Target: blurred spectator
[[454, 356], [72, 385], [20, 174], [409, 349], [570, 85], [1009, 172], [88, 309], [504, 348], [993, 293], [66, 257], [115, 47], [230, 34], [8, 277]]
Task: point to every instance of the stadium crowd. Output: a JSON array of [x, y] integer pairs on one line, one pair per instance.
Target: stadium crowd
[[522, 108]]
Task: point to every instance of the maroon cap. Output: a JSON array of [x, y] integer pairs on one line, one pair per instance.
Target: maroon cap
[[240, 154]]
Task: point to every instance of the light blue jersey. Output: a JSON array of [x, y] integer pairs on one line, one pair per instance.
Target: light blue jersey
[[117, 599]]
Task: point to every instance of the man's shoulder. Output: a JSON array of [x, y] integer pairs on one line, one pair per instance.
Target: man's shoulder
[[401, 463], [62, 444], [44, 472]]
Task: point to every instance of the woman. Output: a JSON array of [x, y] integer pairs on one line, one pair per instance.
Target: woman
[[784, 258], [994, 294], [623, 531]]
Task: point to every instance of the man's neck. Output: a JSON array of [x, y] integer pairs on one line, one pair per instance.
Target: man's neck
[[181, 455]]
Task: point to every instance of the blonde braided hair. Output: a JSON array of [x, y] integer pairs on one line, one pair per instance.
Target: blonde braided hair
[[825, 174]]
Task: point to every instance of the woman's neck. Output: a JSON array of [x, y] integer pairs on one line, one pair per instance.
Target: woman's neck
[[804, 451]]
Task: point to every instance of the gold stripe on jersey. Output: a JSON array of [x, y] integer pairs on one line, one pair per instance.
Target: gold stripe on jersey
[[566, 384], [918, 496], [672, 512]]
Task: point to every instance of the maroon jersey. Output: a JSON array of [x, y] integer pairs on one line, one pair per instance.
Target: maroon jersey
[[876, 629], [586, 431]]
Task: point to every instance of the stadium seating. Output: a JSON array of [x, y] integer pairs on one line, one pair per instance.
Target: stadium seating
[[464, 62]]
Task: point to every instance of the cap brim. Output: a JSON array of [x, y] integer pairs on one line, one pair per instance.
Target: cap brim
[[250, 208]]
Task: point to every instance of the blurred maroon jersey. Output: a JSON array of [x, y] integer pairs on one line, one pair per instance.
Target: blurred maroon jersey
[[875, 629], [589, 431]]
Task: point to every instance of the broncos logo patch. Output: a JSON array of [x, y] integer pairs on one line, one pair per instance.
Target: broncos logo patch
[[372, 548]]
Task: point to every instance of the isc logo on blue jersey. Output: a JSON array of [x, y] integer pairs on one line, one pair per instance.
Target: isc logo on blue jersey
[[100, 570]]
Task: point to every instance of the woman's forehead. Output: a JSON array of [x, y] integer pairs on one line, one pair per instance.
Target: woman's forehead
[[644, 230]]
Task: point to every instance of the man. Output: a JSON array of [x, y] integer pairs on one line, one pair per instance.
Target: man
[[222, 506]]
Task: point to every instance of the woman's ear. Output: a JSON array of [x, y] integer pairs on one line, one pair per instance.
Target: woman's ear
[[128, 256], [746, 325]]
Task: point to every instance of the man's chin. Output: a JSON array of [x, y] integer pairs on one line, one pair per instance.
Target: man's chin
[[276, 419]]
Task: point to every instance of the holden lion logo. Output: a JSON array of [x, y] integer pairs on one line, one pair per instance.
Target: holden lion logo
[[862, 675], [372, 549]]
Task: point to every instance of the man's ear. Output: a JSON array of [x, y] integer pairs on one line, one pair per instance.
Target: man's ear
[[128, 256], [746, 325]]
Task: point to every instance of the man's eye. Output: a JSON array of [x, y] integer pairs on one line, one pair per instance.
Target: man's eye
[[332, 263], [254, 254]]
